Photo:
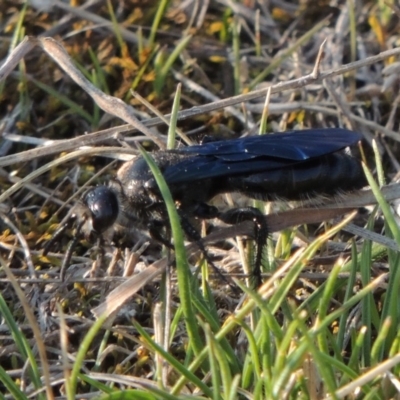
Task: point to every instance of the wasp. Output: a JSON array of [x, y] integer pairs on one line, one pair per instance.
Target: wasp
[[288, 166]]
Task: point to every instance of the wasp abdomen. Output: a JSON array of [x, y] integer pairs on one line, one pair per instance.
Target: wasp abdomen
[[326, 175]]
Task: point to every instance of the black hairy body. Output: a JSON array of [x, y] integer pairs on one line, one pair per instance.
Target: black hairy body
[[292, 165]]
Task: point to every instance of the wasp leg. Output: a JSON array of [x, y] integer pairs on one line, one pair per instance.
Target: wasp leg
[[193, 235], [155, 231], [70, 250], [238, 215], [235, 216], [56, 236]]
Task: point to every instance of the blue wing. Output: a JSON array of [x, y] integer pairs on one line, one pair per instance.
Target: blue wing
[[257, 153]]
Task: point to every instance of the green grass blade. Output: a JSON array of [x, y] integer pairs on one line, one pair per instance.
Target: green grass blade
[[156, 21], [182, 266], [181, 369], [164, 66], [11, 386], [74, 108], [174, 118]]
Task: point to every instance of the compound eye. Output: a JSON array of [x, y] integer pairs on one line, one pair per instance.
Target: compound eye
[[103, 205]]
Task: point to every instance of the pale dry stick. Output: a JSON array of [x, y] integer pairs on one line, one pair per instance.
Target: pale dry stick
[[292, 106], [111, 350], [159, 331], [121, 294], [317, 66], [145, 384], [109, 104], [65, 145], [94, 138], [367, 377], [202, 14], [288, 85], [31, 140], [16, 56], [195, 87], [194, 10], [394, 380], [45, 193], [344, 108], [326, 108], [267, 104], [372, 236], [65, 362]]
